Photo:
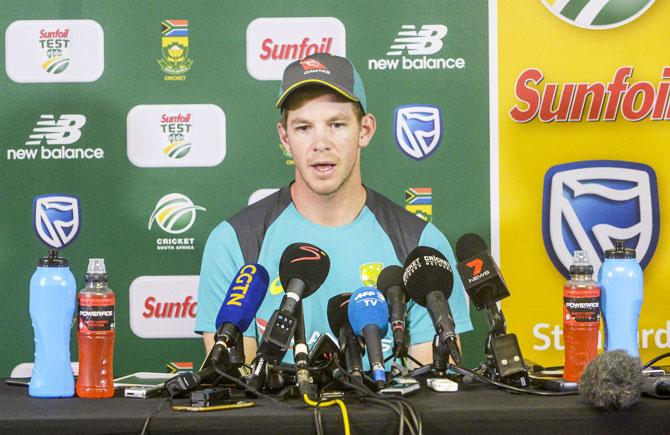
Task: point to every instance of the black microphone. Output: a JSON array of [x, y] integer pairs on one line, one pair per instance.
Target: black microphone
[[479, 272], [429, 281], [338, 319], [612, 381], [302, 269], [656, 386], [391, 284]]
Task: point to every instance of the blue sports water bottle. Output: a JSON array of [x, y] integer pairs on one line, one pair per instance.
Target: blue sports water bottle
[[621, 284], [52, 302]]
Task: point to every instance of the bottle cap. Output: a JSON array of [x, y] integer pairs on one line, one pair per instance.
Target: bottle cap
[[580, 264], [620, 250], [53, 260], [96, 271]]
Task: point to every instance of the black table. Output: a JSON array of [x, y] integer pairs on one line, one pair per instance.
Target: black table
[[474, 409]]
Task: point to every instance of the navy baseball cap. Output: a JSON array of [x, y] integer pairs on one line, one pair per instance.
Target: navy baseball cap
[[335, 72]]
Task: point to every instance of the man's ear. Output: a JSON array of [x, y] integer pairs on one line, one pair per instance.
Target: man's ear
[[368, 128], [283, 137]]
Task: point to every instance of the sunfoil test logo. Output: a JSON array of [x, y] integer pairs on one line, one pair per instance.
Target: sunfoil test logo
[[592, 102], [50, 140], [413, 49], [56, 219], [54, 51], [175, 49], [598, 14], [175, 214], [418, 129], [586, 205]]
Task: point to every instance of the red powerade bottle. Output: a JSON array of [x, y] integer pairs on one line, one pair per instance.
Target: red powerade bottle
[[581, 317], [96, 334]]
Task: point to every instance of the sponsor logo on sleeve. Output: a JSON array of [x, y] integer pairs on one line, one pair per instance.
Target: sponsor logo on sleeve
[[53, 51], [164, 306], [174, 135], [587, 205], [273, 43]]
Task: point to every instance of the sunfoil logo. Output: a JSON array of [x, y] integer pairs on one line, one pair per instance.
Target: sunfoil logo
[[598, 14], [597, 101]]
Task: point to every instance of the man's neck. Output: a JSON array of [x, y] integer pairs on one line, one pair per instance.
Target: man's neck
[[340, 208]]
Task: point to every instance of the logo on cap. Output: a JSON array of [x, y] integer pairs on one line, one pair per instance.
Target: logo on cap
[[598, 14], [588, 204], [56, 219], [310, 64], [418, 130]]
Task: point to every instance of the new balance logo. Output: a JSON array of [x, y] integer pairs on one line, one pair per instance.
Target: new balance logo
[[425, 41], [64, 131]]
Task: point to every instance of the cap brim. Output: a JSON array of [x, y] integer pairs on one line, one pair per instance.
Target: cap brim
[[295, 86]]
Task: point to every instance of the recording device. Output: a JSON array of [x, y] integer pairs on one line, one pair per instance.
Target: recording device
[[656, 386], [391, 284], [243, 299], [210, 396], [485, 286], [429, 280], [612, 381], [368, 314], [338, 319], [401, 387], [302, 269], [442, 385]]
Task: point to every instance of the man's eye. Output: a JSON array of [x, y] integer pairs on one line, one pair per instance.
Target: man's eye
[[337, 124], [301, 128]]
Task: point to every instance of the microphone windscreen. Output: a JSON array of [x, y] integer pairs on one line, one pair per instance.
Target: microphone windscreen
[[338, 312], [306, 262], [470, 245], [427, 270], [613, 381], [367, 306], [245, 295], [389, 277]]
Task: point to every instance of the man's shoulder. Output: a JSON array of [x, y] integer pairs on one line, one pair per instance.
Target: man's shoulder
[[252, 222], [403, 228]]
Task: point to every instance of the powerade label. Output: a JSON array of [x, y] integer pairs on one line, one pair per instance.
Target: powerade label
[[96, 314], [583, 308]]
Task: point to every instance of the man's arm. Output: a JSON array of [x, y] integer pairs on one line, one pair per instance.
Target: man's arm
[[423, 352]]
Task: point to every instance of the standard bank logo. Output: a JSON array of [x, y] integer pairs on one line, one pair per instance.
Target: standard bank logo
[[39, 51], [586, 205], [56, 219], [418, 130], [176, 135], [273, 43], [598, 14], [412, 46]]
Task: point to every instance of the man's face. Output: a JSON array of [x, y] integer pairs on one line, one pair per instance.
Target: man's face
[[324, 138]]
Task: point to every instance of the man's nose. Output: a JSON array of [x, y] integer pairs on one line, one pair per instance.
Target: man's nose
[[322, 139]]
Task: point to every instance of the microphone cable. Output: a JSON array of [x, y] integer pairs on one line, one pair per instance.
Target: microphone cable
[[656, 359], [340, 403]]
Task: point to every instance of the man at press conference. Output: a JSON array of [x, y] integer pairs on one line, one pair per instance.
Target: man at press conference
[[324, 126]]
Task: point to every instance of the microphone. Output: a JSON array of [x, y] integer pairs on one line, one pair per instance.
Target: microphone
[[243, 299], [368, 314], [429, 281], [612, 381], [338, 319], [479, 272], [391, 284], [302, 269], [656, 386]]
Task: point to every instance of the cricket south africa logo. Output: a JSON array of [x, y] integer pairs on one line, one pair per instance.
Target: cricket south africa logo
[[419, 201], [175, 49], [586, 205], [175, 214], [598, 14], [56, 219], [418, 130]]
